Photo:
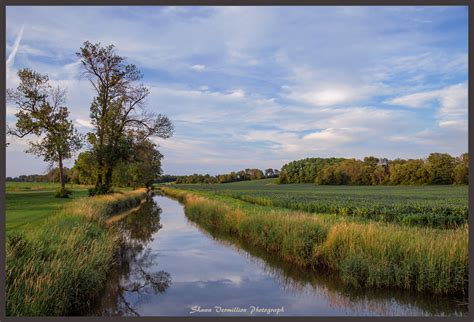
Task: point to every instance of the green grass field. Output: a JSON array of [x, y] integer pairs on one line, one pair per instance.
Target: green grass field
[[435, 206], [29, 203]]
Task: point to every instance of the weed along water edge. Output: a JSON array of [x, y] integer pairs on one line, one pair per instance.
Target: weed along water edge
[[174, 264]]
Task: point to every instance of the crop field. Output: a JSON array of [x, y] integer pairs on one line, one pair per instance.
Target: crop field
[[432, 206]]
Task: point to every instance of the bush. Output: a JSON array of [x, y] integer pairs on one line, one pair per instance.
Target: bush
[[63, 193]]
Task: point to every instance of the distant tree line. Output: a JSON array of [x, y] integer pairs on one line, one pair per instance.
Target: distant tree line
[[52, 176], [242, 175], [437, 168], [166, 178]]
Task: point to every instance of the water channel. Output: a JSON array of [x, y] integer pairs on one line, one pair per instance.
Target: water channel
[[172, 267]]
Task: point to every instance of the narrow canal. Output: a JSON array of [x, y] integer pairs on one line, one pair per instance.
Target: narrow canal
[[172, 267]]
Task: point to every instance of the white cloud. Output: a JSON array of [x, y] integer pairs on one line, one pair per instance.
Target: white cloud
[[336, 136], [84, 123], [451, 101], [416, 100], [198, 68], [10, 111], [453, 124], [324, 97]]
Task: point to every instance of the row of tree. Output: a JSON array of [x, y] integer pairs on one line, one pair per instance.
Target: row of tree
[[119, 147], [51, 176], [242, 175], [437, 168]]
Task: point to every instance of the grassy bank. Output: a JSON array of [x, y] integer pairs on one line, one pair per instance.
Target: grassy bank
[[372, 254], [58, 268]]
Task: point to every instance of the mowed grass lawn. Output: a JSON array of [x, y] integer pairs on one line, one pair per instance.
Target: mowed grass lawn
[[29, 203]]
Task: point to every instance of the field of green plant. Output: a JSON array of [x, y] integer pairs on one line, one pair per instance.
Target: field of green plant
[[433, 206]]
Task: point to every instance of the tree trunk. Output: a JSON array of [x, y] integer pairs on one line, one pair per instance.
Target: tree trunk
[[100, 169], [61, 173], [108, 178]]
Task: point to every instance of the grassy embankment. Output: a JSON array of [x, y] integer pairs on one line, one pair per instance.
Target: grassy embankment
[[363, 254], [57, 266]]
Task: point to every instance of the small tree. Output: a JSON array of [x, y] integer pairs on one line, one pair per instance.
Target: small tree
[[42, 113]]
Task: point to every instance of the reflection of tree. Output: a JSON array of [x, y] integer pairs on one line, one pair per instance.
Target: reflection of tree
[[140, 226], [142, 280], [135, 276]]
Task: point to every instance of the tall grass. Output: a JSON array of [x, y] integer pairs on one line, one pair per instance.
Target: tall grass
[[60, 267], [375, 254]]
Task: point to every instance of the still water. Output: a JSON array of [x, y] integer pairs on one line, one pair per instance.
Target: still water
[[172, 267]]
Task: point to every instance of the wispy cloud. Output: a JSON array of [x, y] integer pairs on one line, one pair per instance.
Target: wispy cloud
[[16, 45]]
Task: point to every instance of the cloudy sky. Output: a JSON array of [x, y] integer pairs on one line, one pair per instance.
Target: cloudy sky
[[261, 86]]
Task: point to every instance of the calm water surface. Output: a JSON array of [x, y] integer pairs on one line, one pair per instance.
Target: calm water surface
[[171, 266]]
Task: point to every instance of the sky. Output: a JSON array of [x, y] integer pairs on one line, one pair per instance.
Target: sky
[[257, 87]]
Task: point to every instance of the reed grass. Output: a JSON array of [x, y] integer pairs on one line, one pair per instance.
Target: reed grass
[[371, 254], [60, 268]]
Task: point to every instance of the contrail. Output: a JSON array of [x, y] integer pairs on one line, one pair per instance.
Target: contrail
[[16, 45]]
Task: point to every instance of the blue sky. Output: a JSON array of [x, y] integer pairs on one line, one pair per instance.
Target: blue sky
[[261, 86]]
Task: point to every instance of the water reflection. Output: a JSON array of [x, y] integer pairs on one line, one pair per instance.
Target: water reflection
[[209, 270], [134, 277]]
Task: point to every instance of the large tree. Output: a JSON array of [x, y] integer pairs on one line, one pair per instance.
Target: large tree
[[42, 112], [117, 109]]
